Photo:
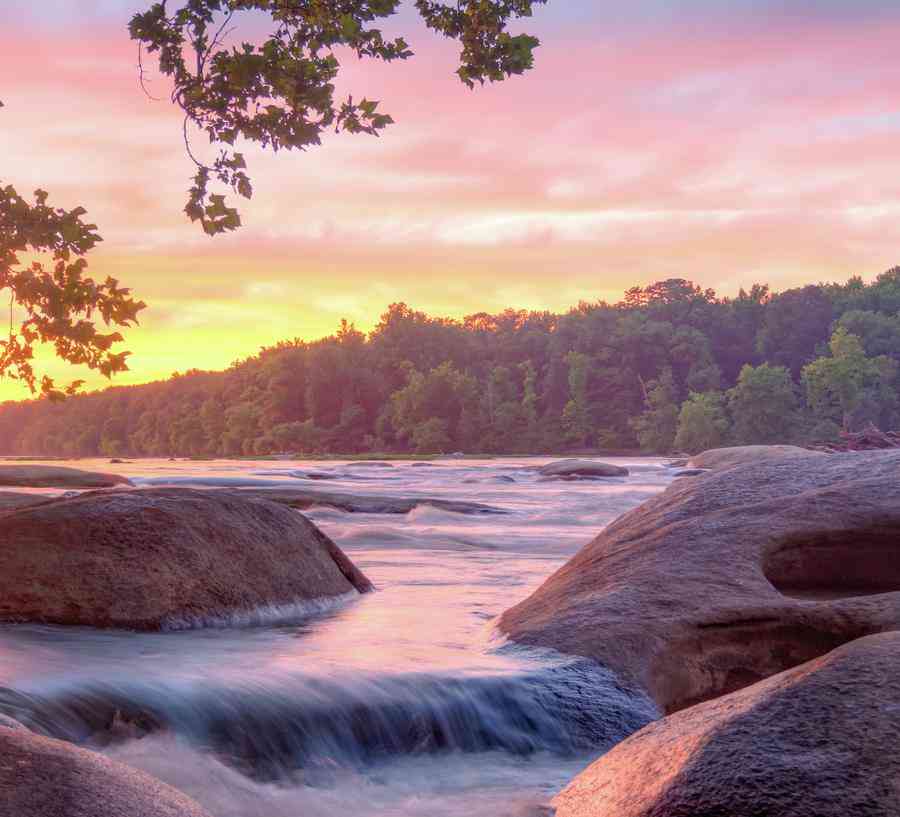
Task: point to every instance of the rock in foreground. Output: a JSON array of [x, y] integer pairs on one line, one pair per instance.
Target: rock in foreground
[[56, 476], [730, 577], [581, 468], [160, 558], [743, 454], [819, 740], [41, 777]]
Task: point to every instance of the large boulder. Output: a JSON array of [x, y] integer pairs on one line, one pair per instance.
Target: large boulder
[[581, 468], [56, 476], [164, 557], [743, 454], [819, 740], [42, 777], [730, 577]]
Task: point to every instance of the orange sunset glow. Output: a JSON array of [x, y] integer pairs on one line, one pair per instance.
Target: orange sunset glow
[[450, 408], [644, 145]]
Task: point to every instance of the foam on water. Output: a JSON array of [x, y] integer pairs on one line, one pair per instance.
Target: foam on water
[[267, 614], [272, 726], [497, 785], [402, 703]]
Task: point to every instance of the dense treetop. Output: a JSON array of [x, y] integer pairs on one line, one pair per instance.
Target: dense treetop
[[671, 367]]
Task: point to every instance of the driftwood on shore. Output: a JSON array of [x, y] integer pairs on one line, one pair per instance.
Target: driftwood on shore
[[869, 439]]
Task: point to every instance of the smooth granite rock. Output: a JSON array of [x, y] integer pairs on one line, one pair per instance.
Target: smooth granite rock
[[742, 454], [42, 777], [581, 468], [163, 557], [56, 476], [819, 740], [730, 577]]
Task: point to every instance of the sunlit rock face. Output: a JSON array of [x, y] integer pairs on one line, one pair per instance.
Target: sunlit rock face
[[165, 558], [56, 476], [814, 741], [40, 777], [743, 454], [730, 577]]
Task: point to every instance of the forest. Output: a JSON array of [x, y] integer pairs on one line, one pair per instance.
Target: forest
[[670, 368]]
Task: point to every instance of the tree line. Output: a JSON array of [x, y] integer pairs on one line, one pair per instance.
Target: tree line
[[671, 367]]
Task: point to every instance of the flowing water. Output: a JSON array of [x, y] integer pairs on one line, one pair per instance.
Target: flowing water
[[403, 702]]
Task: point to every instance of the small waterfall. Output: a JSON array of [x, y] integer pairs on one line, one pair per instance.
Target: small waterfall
[[271, 728]]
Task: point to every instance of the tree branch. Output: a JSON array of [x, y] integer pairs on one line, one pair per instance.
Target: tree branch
[[141, 73]]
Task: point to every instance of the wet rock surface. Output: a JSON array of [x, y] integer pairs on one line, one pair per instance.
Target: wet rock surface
[[730, 577], [163, 557], [42, 777], [819, 740], [365, 503], [56, 476], [744, 454], [564, 469]]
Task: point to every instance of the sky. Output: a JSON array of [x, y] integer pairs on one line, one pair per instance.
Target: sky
[[725, 141]]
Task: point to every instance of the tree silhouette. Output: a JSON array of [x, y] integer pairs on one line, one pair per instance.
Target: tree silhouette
[[278, 93], [57, 302]]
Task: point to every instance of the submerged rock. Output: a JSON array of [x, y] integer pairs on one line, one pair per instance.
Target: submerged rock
[[163, 557], [42, 777], [743, 454], [56, 476], [365, 503], [724, 580], [819, 740], [581, 468], [208, 481], [691, 472]]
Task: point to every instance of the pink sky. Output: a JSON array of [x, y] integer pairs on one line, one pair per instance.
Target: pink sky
[[727, 150]]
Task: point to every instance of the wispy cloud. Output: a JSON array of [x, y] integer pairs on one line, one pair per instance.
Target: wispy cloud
[[723, 141]]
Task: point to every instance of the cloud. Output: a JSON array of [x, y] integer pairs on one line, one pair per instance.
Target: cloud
[[728, 142]]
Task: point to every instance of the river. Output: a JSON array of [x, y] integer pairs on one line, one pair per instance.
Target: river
[[401, 703]]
